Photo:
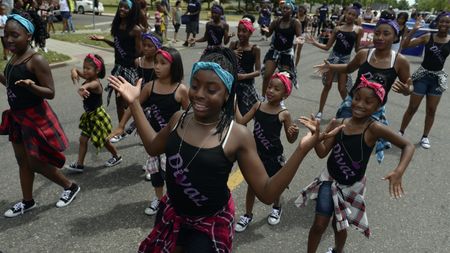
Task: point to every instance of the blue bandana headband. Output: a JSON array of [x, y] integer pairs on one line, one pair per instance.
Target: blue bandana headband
[[22, 21], [128, 2], [226, 77], [153, 38], [290, 4], [391, 23], [216, 9], [357, 10]]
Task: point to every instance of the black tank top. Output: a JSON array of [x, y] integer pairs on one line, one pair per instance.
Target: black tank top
[[20, 97], [345, 41], [124, 49], [92, 102], [215, 34], [304, 23], [385, 77], [246, 64], [435, 55], [284, 38], [147, 74], [348, 159], [266, 131], [196, 178], [162, 108]]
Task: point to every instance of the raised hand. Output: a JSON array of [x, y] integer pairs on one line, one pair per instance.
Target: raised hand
[[96, 37], [24, 83], [323, 68], [314, 125], [310, 38], [300, 40], [128, 92], [293, 130], [403, 88], [265, 29], [83, 92], [395, 184], [74, 76]]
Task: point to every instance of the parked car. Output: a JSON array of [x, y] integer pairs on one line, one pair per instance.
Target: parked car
[[83, 6], [430, 18]]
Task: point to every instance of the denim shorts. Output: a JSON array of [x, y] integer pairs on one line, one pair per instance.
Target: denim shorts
[[324, 201], [427, 86]]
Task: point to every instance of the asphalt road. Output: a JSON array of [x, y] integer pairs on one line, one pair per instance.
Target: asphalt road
[[108, 216]]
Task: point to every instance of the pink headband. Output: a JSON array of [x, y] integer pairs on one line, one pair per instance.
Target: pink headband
[[376, 87], [96, 61], [165, 54], [285, 80], [247, 25]]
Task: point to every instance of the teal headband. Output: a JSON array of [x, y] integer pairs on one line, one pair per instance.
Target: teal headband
[[128, 2], [226, 77], [22, 21]]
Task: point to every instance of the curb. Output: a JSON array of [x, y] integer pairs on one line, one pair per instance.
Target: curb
[[110, 49], [63, 63]]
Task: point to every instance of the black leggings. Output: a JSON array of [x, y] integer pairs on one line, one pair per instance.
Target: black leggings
[[193, 241]]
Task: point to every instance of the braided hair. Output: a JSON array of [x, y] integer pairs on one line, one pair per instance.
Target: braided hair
[[226, 58], [40, 34]]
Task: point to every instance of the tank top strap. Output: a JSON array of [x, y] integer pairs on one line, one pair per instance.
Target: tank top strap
[[368, 125], [369, 54], [183, 115], [153, 86], [224, 142], [260, 103], [28, 58], [393, 57], [282, 110], [140, 62]]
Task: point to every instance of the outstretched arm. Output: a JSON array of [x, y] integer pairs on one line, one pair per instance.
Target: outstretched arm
[[395, 176]]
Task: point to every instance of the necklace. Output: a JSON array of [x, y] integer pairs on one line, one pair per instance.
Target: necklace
[[186, 168], [355, 164], [205, 124]]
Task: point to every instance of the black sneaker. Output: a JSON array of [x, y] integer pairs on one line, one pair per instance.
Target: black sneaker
[[185, 44], [113, 161], [19, 209], [68, 195], [243, 223], [75, 167]]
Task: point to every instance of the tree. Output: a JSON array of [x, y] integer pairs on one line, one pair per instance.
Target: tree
[[428, 5], [402, 5]]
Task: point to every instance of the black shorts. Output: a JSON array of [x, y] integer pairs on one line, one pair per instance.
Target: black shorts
[[177, 27]]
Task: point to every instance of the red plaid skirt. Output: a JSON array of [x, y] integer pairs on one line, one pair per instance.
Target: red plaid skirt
[[163, 238], [40, 132]]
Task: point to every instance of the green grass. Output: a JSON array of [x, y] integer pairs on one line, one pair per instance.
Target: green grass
[[51, 56], [82, 38]]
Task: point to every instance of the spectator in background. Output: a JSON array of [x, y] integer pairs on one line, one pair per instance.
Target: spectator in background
[[3, 18], [143, 18], [193, 11], [51, 16], [165, 5], [323, 15], [176, 19], [65, 14], [368, 15]]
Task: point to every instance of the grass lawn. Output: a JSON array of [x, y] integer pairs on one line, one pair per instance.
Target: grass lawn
[[82, 38], [51, 56]]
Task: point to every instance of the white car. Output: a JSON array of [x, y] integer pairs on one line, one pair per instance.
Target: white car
[[83, 6]]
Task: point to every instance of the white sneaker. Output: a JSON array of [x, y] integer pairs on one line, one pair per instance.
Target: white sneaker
[[425, 143], [319, 116], [117, 138], [243, 223], [275, 216], [153, 208], [330, 250]]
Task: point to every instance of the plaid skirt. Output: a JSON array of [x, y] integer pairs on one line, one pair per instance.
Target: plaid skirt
[[163, 238], [39, 130], [246, 96], [96, 125], [129, 73]]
